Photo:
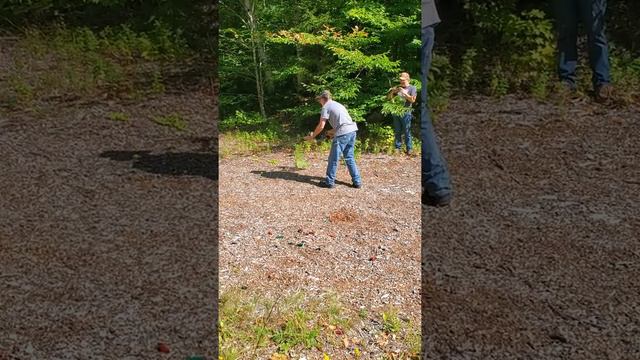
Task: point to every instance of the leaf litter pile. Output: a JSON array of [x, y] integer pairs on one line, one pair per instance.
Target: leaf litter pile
[[107, 230], [539, 255]]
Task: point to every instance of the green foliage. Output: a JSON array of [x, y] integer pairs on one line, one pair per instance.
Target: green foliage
[[282, 53], [499, 84], [379, 139], [250, 121], [394, 107], [625, 71], [467, 68], [439, 82], [250, 142], [190, 19], [299, 154], [306, 47], [79, 62], [527, 43]]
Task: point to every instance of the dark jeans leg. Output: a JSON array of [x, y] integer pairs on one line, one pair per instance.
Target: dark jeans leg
[[435, 175], [567, 26], [406, 129], [397, 131], [592, 14]]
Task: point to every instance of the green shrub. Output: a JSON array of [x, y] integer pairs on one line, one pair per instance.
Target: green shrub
[[63, 61], [299, 154], [243, 121], [380, 138]]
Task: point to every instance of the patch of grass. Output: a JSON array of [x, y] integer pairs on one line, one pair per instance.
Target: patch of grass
[[118, 116], [363, 313], [253, 327], [296, 331], [390, 321], [174, 121], [413, 340]]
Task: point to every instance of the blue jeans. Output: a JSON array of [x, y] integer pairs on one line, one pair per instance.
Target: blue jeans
[[343, 145], [402, 125], [591, 13], [435, 175]]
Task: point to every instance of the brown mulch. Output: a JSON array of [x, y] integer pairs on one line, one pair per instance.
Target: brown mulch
[[539, 255], [280, 233], [108, 231]]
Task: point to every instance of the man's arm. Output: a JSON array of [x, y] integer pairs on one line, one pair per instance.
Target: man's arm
[[409, 98], [392, 92], [317, 130]]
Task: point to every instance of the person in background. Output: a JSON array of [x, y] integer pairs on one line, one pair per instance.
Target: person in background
[[344, 139], [402, 123], [592, 15], [436, 182]]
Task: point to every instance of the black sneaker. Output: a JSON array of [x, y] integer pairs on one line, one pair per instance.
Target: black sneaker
[[324, 184], [357, 186], [436, 201]]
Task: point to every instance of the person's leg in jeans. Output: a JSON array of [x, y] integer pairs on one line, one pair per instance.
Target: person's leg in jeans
[[397, 131], [435, 175], [592, 14], [334, 157], [567, 26], [406, 127], [349, 158]]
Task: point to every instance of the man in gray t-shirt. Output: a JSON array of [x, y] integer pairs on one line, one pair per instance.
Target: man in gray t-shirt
[[402, 123], [344, 138], [436, 182]]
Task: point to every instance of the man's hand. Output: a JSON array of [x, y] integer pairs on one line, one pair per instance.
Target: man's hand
[[309, 137]]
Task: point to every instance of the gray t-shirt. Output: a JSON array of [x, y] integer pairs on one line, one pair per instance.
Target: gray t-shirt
[[412, 91], [429, 13], [338, 117]]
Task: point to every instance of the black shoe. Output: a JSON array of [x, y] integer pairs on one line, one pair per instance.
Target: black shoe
[[357, 186], [323, 184], [604, 93], [436, 201]]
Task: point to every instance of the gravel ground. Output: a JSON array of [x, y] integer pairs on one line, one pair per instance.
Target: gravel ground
[[108, 231], [281, 233], [539, 256]]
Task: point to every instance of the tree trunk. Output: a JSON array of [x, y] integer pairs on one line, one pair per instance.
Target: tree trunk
[[257, 54]]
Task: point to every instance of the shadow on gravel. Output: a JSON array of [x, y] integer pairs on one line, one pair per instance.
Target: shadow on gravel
[[292, 176], [175, 164]]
